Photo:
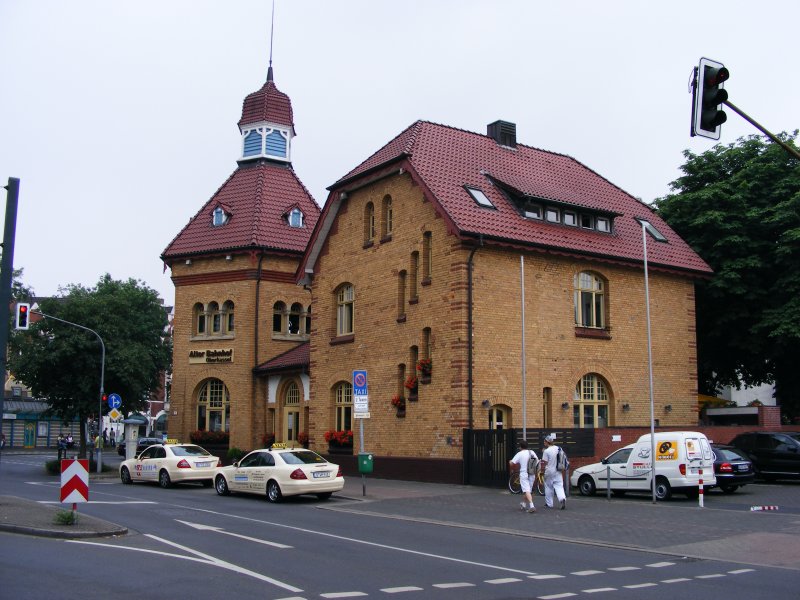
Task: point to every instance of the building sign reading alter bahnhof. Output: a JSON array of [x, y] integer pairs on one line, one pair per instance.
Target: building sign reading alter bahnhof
[[197, 357]]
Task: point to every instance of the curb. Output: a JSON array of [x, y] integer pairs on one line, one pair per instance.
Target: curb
[[53, 533]]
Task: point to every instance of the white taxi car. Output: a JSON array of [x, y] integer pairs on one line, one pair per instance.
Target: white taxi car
[[279, 472], [171, 463]]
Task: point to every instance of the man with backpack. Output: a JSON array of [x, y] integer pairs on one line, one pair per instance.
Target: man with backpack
[[526, 461], [553, 477]]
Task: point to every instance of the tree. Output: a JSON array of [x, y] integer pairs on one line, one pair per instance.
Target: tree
[[62, 363], [738, 206]]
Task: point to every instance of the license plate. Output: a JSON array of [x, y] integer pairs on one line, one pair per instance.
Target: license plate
[[321, 474], [202, 464], [741, 468]]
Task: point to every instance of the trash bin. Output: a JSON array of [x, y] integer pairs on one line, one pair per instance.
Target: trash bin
[[364, 462]]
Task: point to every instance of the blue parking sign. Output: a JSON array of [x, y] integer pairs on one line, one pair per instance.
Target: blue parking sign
[[359, 383]]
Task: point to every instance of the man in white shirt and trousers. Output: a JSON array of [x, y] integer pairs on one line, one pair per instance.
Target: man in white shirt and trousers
[[553, 479]]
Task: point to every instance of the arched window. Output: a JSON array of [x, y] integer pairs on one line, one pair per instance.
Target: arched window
[[295, 315], [590, 402], [343, 394], [296, 218], [426, 342], [215, 316], [401, 380], [386, 218], [427, 259], [213, 406], [307, 330], [292, 394], [278, 317], [369, 223], [199, 318], [345, 310], [219, 217], [498, 416], [227, 316], [412, 277], [589, 301]]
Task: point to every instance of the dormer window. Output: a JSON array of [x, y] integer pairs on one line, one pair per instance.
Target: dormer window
[[219, 217], [296, 218], [479, 197]]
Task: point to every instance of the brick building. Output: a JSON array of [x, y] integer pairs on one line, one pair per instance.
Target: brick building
[[443, 231], [236, 301]]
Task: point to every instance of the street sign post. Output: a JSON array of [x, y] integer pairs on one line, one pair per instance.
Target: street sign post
[[361, 411], [114, 401]]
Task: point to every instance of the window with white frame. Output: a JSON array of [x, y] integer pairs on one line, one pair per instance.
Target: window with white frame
[[590, 402], [213, 406], [589, 300], [345, 309], [343, 401]]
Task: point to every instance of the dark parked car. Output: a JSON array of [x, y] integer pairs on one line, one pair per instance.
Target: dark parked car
[[775, 455], [731, 468], [141, 444]]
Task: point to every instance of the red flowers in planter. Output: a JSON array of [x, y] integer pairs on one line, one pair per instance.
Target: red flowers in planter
[[202, 436], [411, 382], [339, 438], [424, 366], [398, 401]]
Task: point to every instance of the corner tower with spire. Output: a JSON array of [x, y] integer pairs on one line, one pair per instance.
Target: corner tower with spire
[[237, 307]]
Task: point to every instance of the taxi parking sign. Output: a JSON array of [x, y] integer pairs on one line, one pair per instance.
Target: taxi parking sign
[[359, 383]]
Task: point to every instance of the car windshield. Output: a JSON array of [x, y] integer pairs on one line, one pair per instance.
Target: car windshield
[[728, 454], [795, 435], [302, 457], [190, 451]]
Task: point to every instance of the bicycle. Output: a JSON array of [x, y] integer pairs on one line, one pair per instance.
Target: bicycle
[[515, 487]]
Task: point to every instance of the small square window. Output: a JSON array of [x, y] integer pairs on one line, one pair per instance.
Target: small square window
[[553, 215], [603, 224], [479, 197], [570, 218], [587, 222], [219, 217], [533, 211]]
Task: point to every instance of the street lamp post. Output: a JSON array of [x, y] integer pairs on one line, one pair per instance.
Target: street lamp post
[[650, 366]]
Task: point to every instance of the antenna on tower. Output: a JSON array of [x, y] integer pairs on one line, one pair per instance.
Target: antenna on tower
[[271, 36]]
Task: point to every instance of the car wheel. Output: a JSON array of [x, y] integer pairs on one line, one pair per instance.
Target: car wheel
[[728, 489], [586, 486], [663, 489], [221, 486], [163, 479], [324, 495], [274, 491], [125, 475]]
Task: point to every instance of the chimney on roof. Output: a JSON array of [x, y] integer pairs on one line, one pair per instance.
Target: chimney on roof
[[503, 132]]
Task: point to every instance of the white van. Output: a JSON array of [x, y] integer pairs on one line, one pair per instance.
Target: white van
[[680, 455]]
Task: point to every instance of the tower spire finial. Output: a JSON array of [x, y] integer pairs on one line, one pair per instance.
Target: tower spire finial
[[271, 35]]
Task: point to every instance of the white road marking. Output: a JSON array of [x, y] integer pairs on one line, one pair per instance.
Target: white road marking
[[449, 586], [624, 569], [658, 565], [596, 590], [585, 573], [202, 558], [556, 596], [640, 585], [503, 580], [343, 595], [711, 576], [740, 571], [357, 541], [398, 590], [230, 533], [545, 577], [676, 580]]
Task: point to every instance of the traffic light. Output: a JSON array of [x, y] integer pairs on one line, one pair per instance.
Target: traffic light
[[708, 93], [23, 311]]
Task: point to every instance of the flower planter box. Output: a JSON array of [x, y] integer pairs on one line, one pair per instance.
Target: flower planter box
[[340, 449]]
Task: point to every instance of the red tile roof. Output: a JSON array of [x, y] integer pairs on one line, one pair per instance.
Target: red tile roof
[[256, 197], [267, 104], [444, 159], [296, 358]]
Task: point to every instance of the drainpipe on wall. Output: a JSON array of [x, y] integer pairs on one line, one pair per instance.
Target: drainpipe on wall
[[255, 336], [469, 331]]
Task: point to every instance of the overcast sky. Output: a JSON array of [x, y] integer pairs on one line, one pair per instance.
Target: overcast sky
[[120, 117]]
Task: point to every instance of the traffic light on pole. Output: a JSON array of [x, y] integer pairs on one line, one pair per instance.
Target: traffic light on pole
[[707, 115], [23, 311]]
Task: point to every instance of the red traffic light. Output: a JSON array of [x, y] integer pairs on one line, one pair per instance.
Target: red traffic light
[[22, 315]]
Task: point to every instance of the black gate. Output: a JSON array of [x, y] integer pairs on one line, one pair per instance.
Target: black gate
[[487, 451]]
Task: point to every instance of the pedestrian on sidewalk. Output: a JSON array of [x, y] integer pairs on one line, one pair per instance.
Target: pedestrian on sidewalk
[[553, 479], [520, 461]]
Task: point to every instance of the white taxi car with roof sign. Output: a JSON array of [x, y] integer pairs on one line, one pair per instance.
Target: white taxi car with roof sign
[[279, 471], [170, 463]]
